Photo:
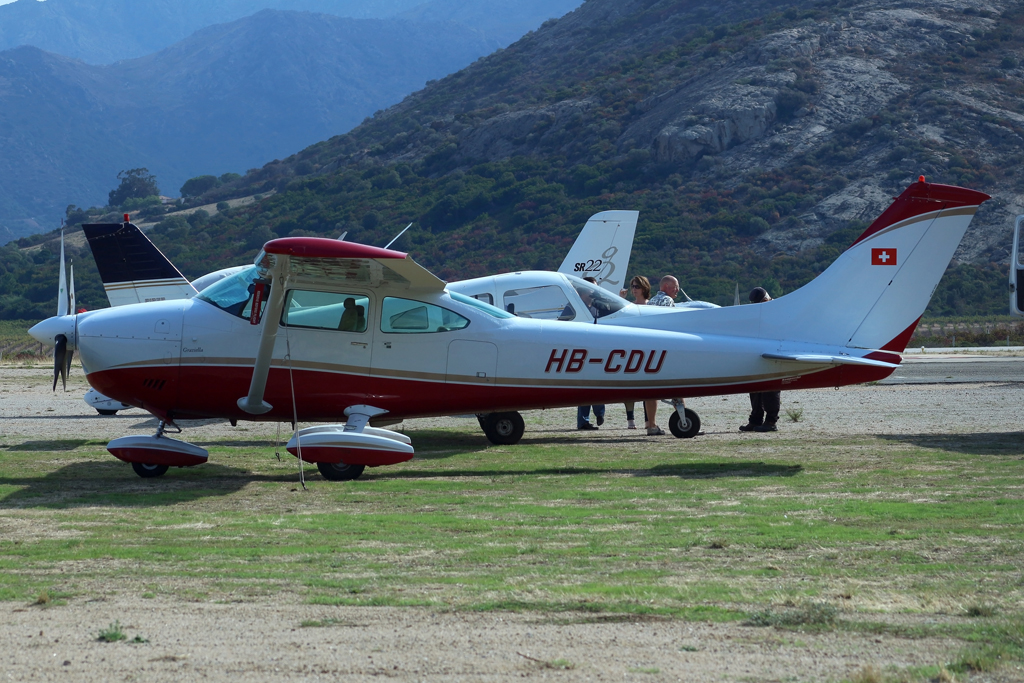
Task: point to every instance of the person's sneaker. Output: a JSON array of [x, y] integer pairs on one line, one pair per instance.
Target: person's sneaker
[[655, 431], [585, 426], [630, 424], [600, 420], [748, 427], [765, 428]]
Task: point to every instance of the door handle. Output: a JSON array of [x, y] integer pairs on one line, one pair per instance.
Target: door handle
[[363, 344]]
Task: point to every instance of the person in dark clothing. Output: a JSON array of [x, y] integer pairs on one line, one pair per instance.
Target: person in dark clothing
[[764, 405], [583, 412]]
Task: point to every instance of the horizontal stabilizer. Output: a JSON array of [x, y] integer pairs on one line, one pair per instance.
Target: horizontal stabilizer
[[823, 359]]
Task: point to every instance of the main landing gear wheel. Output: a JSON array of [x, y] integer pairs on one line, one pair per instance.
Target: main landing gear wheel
[[684, 429], [339, 471], [106, 412], [503, 429], [149, 471]]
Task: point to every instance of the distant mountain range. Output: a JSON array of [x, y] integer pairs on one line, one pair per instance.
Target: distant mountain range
[[222, 98], [228, 98], [105, 31]]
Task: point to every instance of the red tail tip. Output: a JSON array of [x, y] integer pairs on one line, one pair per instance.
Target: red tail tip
[[128, 220], [920, 179]]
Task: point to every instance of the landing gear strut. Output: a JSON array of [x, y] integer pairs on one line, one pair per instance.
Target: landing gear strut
[[503, 429]]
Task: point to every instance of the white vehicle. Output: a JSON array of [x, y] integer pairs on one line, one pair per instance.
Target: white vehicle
[[1017, 270], [284, 340]]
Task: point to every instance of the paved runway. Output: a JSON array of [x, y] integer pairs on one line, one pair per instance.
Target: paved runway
[[957, 369]]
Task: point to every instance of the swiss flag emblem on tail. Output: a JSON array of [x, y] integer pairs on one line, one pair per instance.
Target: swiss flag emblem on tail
[[883, 257]]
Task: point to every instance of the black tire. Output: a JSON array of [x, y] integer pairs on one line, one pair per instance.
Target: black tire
[[684, 430], [504, 429], [339, 471], [149, 471], [481, 419], [106, 412]]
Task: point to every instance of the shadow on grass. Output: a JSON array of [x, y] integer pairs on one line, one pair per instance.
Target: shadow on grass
[[115, 484], [687, 471], [984, 443], [48, 445]]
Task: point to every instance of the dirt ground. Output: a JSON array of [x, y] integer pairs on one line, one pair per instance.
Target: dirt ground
[[264, 639]]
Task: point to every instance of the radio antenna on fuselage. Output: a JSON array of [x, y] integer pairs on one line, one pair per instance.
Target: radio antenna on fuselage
[[397, 236]]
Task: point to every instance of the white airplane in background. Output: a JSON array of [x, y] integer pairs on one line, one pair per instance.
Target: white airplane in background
[[134, 270], [1017, 270], [279, 341]]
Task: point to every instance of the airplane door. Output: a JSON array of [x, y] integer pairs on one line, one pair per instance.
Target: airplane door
[[328, 331], [472, 362], [1017, 270], [411, 345]]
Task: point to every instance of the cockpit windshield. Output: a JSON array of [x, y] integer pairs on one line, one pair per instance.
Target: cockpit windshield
[[599, 301], [234, 293]]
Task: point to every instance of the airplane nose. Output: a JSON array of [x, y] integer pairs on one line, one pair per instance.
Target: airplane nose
[[46, 331]]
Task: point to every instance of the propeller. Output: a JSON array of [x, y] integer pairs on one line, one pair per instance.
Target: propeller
[[61, 361], [61, 355], [72, 311]]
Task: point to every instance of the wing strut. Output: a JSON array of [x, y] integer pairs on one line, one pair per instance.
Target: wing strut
[[253, 403]]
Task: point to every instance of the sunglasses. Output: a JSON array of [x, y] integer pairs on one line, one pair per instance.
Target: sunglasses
[[636, 287]]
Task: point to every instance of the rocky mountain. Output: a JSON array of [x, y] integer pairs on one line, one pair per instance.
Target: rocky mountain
[[756, 139], [848, 103], [227, 98]]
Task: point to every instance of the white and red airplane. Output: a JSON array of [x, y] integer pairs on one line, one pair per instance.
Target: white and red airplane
[[320, 330]]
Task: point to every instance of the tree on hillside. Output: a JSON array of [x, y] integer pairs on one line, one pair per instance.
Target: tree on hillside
[[136, 183], [194, 187]]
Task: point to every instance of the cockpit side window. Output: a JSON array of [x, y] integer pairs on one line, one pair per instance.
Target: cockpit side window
[[547, 302], [405, 316], [325, 310], [599, 301]]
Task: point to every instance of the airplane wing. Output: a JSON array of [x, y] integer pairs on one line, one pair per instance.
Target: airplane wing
[[316, 258], [603, 248], [823, 359], [299, 260], [131, 267]]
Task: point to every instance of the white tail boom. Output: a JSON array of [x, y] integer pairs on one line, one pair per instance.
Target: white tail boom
[[872, 296]]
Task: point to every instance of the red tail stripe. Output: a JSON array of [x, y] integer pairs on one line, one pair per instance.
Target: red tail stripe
[[921, 198]]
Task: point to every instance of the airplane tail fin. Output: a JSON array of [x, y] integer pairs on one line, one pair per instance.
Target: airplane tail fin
[[873, 295], [133, 270], [603, 248]]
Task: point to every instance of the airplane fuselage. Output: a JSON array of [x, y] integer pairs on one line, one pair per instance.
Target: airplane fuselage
[[185, 359]]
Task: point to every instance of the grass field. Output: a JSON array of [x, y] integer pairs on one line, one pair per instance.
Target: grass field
[[793, 532]]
